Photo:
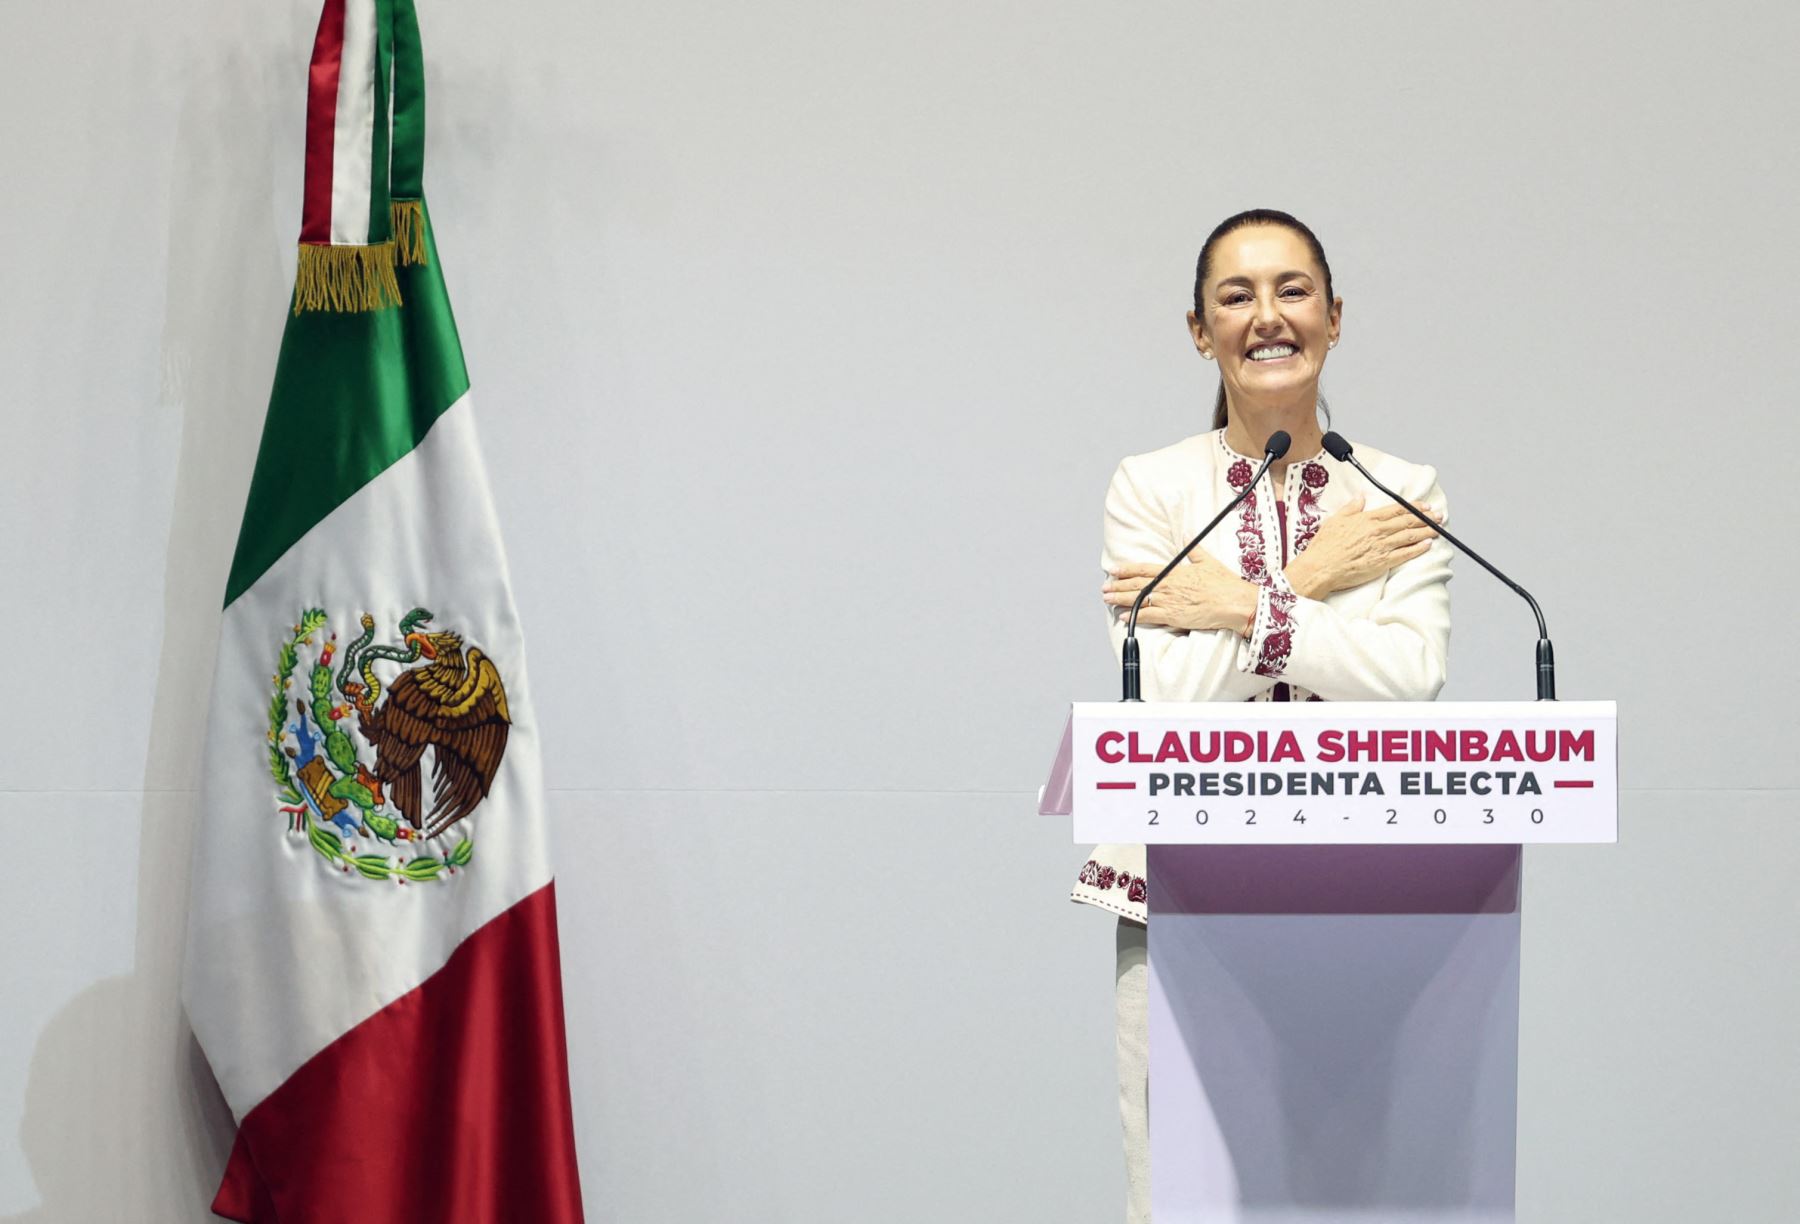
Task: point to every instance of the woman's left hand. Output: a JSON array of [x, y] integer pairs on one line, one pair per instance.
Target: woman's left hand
[[1202, 594]]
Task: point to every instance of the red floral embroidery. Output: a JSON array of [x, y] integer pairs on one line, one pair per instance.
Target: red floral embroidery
[[1251, 562], [1250, 544], [1094, 875], [1313, 477], [1272, 659], [1275, 614]]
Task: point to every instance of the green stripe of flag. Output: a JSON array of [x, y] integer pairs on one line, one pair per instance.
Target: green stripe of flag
[[380, 226], [406, 164], [354, 393]]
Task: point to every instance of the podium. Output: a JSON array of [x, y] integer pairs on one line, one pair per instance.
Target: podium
[[1335, 899]]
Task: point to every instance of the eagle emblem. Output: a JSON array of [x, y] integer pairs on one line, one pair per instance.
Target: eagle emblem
[[349, 754]]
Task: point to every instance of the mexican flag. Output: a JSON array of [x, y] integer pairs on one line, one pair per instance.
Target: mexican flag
[[372, 965]]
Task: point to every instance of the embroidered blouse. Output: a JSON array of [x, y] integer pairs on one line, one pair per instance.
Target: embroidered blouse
[[1386, 640]]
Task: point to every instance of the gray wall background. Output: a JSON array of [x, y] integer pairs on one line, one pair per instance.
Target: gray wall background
[[806, 337]]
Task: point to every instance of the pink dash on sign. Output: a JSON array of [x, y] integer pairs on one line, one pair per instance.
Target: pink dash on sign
[[1574, 785], [1115, 785]]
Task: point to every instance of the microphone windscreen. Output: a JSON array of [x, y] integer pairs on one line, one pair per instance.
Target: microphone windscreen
[[1278, 444], [1336, 446]]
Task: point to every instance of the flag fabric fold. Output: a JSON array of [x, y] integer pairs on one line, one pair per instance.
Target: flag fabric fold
[[372, 965]]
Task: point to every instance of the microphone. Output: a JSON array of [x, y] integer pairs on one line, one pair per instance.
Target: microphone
[[1339, 449], [1275, 448]]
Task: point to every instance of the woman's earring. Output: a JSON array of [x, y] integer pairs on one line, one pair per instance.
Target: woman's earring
[[1331, 344], [1206, 354]]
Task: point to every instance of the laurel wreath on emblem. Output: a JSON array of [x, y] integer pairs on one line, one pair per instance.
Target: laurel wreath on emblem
[[448, 699]]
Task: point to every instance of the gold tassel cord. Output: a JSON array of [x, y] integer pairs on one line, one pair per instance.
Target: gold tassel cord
[[409, 231], [346, 278]]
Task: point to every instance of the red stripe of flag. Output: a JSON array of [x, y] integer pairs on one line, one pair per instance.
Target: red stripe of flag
[[451, 1104], [321, 123]]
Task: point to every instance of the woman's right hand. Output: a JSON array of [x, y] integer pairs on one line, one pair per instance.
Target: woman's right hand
[[1355, 545]]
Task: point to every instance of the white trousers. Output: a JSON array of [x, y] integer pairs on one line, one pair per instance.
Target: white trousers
[[1133, 1038]]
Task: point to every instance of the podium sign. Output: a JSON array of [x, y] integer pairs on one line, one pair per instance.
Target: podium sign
[[1399, 773], [1334, 894]]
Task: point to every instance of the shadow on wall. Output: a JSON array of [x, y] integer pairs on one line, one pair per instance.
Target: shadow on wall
[[122, 1118]]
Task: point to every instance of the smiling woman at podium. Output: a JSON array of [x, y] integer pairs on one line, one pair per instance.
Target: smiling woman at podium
[[1318, 589]]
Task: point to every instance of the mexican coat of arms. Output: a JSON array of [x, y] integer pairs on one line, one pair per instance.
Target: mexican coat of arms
[[359, 799]]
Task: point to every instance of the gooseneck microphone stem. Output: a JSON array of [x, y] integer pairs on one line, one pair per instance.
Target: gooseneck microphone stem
[[1340, 449], [1129, 668]]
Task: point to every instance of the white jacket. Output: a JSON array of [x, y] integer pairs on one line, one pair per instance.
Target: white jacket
[[1386, 640]]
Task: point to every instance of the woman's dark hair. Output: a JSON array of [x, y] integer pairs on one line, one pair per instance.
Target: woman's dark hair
[[1253, 216]]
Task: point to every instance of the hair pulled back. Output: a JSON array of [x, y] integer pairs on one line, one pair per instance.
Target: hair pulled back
[[1203, 269]]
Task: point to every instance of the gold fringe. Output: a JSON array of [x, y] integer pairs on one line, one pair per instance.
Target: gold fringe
[[409, 232], [346, 278]]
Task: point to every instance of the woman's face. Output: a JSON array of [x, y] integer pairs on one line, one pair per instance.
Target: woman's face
[[1267, 320]]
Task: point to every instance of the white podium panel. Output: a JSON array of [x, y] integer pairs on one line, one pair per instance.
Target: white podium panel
[[1307, 1072], [1312, 773], [1333, 1034]]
